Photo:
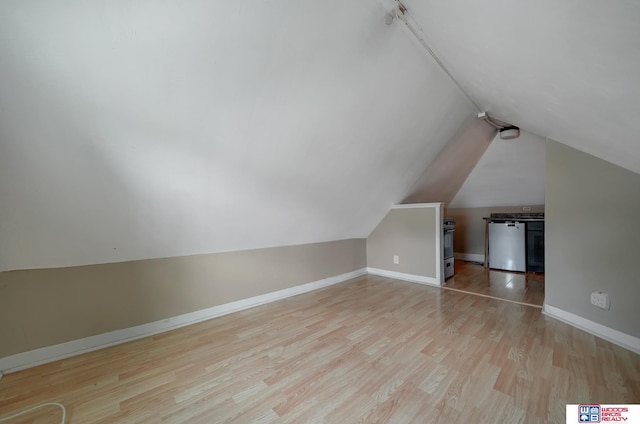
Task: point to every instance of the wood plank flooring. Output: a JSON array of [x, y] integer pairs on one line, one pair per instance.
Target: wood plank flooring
[[515, 286], [368, 350]]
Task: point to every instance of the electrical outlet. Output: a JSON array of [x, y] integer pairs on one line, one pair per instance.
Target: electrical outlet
[[601, 300], [526, 209], [396, 260]]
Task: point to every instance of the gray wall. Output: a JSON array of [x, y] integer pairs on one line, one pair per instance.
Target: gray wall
[[469, 234], [591, 236], [408, 233], [44, 307]]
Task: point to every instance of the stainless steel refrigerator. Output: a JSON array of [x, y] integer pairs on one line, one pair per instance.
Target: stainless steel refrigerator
[[507, 246]]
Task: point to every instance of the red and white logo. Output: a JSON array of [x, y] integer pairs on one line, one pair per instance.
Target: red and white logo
[[596, 413]]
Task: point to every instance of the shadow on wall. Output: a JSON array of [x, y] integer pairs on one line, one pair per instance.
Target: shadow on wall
[[447, 173]]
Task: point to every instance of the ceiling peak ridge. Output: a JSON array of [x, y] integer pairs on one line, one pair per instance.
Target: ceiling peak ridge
[[398, 11]]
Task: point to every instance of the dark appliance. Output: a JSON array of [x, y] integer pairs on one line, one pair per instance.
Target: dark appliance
[[535, 246], [448, 228]]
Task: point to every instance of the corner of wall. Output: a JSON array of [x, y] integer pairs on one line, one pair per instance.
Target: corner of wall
[[412, 233]]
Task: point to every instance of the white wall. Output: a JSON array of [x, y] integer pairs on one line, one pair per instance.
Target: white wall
[[135, 130], [510, 173]]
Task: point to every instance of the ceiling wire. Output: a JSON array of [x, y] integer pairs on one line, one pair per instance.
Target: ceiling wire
[[497, 124], [397, 10], [401, 14]]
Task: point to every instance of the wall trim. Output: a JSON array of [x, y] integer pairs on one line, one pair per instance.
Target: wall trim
[[417, 205], [614, 336], [420, 279], [56, 352], [473, 257]]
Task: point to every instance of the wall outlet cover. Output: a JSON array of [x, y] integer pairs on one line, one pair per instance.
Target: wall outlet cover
[[396, 260], [601, 300]]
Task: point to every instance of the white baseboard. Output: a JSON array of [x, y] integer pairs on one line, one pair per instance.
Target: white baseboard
[[47, 354], [472, 257], [405, 277], [614, 336]]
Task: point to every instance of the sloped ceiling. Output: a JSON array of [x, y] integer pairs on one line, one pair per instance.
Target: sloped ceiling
[[563, 69], [510, 173], [141, 129], [450, 169]]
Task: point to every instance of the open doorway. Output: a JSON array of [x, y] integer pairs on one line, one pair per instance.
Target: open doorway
[[474, 278]]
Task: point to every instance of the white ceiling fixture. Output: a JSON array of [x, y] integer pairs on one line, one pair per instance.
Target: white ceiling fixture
[[396, 10], [507, 131]]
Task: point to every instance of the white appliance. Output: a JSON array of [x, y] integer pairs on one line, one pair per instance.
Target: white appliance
[[507, 246]]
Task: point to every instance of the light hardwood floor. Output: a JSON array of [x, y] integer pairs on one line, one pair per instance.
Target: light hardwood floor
[[368, 350], [516, 286]]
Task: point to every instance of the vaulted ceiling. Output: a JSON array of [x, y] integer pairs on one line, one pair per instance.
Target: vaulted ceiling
[[563, 69], [140, 129]]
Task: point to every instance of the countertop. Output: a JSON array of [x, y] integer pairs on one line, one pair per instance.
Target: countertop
[[514, 219]]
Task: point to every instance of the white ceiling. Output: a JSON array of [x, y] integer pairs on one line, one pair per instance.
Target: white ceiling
[[141, 129], [564, 69], [510, 173], [135, 129]]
